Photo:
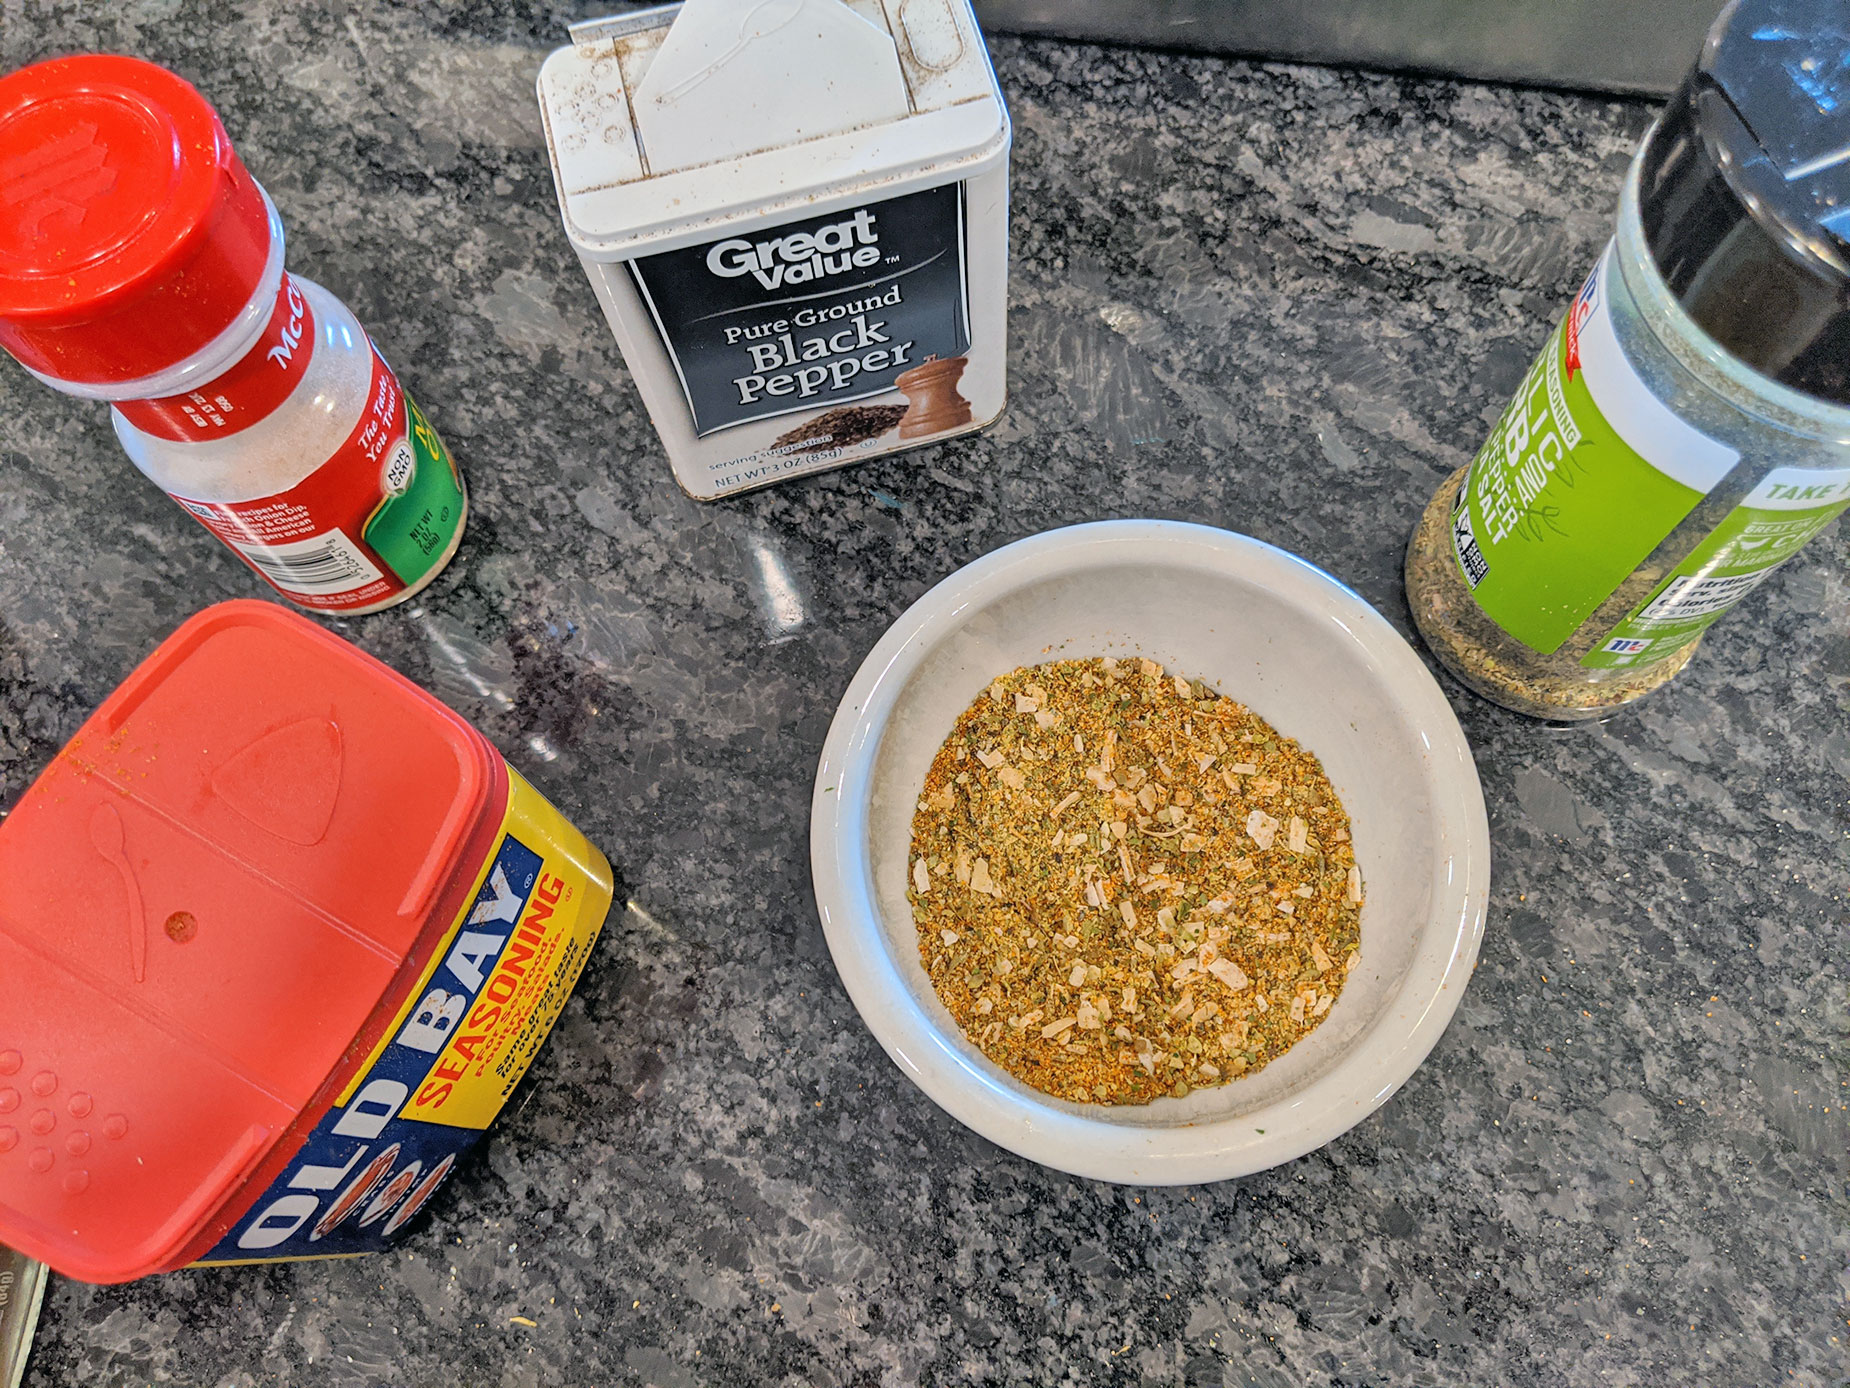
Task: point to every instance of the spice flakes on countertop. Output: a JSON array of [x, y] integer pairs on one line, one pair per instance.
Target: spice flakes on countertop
[[1127, 886]]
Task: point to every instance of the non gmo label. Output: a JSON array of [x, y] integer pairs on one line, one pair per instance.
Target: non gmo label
[[812, 313], [1585, 474]]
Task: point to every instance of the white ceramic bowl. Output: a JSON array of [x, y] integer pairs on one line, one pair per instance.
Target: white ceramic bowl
[[1259, 626]]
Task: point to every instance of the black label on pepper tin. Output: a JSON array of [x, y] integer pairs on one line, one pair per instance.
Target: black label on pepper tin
[[812, 313]]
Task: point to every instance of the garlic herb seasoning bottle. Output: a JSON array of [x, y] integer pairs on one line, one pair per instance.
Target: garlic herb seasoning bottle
[[1687, 428]]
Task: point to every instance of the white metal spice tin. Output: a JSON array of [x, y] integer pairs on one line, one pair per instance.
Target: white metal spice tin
[[795, 215]]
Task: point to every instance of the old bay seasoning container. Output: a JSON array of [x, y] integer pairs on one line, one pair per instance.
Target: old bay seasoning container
[[1687, 428], [280, 934], [140, 263], [795, 216]]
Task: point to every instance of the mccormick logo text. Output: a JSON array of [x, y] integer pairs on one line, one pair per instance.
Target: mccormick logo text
[[290, 334], [803, 257], [1584, 304]]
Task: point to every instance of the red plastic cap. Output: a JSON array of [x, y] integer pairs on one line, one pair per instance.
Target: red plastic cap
[[130, 233], [211, 905]]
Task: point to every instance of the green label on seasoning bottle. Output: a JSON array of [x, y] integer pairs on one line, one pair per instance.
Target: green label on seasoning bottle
[[1584, 475], [1769, 526], [412, 528]]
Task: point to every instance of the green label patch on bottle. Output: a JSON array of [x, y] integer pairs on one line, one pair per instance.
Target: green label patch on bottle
[[413, 527], [1584, 475]]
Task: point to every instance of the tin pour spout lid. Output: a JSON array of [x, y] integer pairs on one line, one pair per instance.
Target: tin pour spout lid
[[737, 76]]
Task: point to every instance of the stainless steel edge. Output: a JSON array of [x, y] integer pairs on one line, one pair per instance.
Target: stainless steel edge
[[1637, 47]]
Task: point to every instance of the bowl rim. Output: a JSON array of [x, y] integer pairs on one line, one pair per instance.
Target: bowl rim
[[1379, 1060]]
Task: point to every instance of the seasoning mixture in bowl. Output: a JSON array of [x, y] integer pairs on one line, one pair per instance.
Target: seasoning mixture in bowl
[[1127, 886]]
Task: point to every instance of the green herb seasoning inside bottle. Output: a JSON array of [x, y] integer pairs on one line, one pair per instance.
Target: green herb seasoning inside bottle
[[1687, 428]]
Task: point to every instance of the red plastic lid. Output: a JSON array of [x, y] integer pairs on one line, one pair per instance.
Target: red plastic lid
[[130, 233], [230, 876]]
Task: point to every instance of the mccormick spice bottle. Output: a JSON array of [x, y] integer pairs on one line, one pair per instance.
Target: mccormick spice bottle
[[1687, 428], [141, 264], [796, 220]]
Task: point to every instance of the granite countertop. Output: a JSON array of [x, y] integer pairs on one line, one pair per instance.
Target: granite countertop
[[1279, 299]]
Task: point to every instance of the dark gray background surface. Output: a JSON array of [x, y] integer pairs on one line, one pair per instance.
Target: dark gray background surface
[[1280, 299], [1589, 45]]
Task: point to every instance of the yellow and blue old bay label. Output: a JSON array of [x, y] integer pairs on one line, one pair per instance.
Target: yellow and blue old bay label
[[458, 1046], [813, 313]]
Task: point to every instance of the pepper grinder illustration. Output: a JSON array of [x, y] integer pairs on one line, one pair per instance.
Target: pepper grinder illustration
[[934, 403]]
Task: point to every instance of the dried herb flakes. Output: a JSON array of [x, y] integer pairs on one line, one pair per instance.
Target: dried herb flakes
[[1126, 886]]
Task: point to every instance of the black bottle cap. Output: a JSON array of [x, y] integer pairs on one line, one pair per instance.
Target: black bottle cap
[[1744, 191]]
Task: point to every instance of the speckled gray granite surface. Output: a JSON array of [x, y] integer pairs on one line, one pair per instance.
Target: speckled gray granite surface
[[1279, 299]]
